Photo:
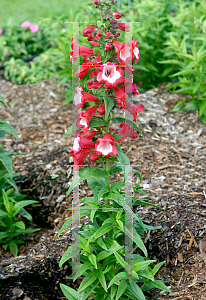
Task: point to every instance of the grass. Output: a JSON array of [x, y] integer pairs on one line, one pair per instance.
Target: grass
[[17, 11]]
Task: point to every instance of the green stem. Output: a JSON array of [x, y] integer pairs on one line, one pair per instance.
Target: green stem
[[107, 178]]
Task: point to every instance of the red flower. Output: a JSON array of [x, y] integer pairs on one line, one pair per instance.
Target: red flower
[[93, 73], [79, 50], [81, 143], [123, 26], [108, 34], [106, 146], [81, 97], [126, 130], [108, 47], [83, 118], [91, 84], [120, 95], [93, 157], [88, 30], [117, 15], [111, 75], [124, 52], [131, 87], [135, 50], [85, 68], [133, 109], [101, 109], [79, 158]]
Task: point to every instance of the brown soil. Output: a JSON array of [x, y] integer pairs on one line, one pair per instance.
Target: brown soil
[[171, 159]]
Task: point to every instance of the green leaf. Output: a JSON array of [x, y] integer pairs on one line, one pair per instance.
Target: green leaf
[[116, 278], [102, 192], [102, 280], [86, 173], [120, 259], [93, 182], [170, 61], [72, 128], [69, 293], [8, 128], [96, 122], [136, 290], [4, 234], [7, 162], [109, 103], [122, 157], [100, 232], [157, 267], [202, 108], [159, 285], [19, 205], [115, 169], [93, 260], [66, 256], [83, 268], [3, 213], [74, 218], [6, 202], [121, 288], [3, 101], [91, 277], [19, 224]]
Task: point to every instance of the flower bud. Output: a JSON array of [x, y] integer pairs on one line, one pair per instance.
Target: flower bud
[[93, 157], [101, 109], [117, 15], [96, 2], [108, 47], [111, 21], [99, 32]]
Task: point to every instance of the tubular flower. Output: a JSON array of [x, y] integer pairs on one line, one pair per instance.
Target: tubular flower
[[133, 109], [123, 26], [83, 118], [87, 135], [117, 15], [124, 52], [91, 84], [111, 75], [126, 130], [79, 158], [135, 50], [81, 97], [130, 87], [79, 50], [93, 157], [81, 143], [120, 95], [88, 30], [101, 109], [106, 146], [85, 68]]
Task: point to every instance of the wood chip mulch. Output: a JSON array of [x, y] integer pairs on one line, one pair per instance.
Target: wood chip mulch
[[171, 159]]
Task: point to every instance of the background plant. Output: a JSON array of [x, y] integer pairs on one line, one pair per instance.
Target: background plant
[[11, 203]]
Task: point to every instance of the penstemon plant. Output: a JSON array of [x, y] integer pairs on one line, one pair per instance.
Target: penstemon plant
[[103, 255]]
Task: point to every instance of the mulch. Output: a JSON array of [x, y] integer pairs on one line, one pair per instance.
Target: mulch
[[170, 158]]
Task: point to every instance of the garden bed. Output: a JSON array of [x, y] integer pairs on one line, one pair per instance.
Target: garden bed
[[171, 159]]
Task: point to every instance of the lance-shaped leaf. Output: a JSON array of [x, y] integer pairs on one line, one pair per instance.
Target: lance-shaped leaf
[[96, 122], [86, 173]]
